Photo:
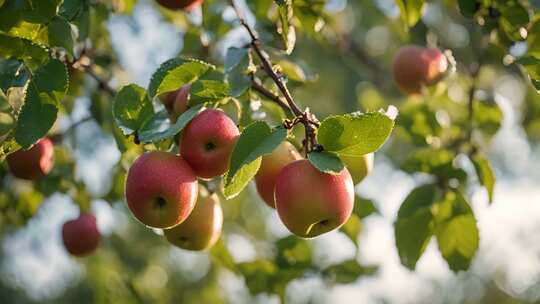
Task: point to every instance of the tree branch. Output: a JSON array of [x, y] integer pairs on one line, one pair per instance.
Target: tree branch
[[305, 117]]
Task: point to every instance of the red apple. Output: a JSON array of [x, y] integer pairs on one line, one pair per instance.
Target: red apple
[[161, 189], [415, 66], [33, 163], [207, 143], [271, 165], [202, 228], [187, 5], [176, 102], [81, 236], [310, 202]]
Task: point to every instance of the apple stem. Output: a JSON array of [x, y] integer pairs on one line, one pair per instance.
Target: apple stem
[[309, 120]]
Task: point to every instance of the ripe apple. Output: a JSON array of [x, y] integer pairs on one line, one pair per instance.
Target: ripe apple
[[187, 5], [176, 102], [207, 143], [202, 228], [271, 165], [310, 202], [359, 166], [415, 66], [161, 189], [81, 235], [33, 163]]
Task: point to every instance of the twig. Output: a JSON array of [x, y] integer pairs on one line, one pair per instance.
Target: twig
[[305, 117], [268, 94], [59, 136], [102, 84]]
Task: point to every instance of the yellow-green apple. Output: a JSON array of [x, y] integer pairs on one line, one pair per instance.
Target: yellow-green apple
[[415, 67], [176, 102], [187, 5], [81, 235], [271, 165], [202, 228], [359, 166], [208, 141], [161, 189], [310, 202], [33, 163]]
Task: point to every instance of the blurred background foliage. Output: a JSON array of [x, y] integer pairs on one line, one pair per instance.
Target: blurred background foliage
[[450, 143]]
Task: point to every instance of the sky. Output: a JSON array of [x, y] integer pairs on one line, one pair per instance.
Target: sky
[[35, 259]]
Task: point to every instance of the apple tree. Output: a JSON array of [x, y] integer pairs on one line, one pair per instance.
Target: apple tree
[[272, 110]]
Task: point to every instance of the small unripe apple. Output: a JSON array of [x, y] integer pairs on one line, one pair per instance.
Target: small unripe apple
[[161, 189], [310, 202], [176, 102], [81, 235], [208, 141], [187, 5], [359, 166], [271, 165], [202, 228], [33, 163], [415, 66]]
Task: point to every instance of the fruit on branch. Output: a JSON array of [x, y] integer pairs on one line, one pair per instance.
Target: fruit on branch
[[415, 67], [176, 102], [33, 163], [81, 235], [161, 189], [271, 166], [202, 228], [187, 5], [359, 166], [208, 141], [310, 202]]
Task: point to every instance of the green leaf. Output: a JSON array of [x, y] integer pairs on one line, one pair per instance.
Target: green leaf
[[456, 231], [208, 91], [434, 161], [132, 108], [411, 11], [240, 180], [12, 74], [60, 34], [44, 93], [237, 66], [355, 134], [175, 73], [364, 207], [352, 228], [485, 173], [285, 26], [32, 54], [326, 162], [221, 256], [413, 225], [159, 128], [258, 275], [256, 140], [40, 11], [347, 272]]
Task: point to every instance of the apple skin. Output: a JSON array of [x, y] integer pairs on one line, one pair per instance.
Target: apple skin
[[271, 165], [208, 141], [310, 202], [176, 102], [415, 66], [202, 228], [161, 189], [34, 163], [187, 5], [81, 235], [359, 166]]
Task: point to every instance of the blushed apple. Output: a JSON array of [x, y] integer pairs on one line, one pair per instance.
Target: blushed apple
[[33, 163], [161, 189], [81, 235], [310, 202], [359, 166]]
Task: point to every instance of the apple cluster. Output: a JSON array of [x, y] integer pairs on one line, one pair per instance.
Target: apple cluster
[[162, 189]]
